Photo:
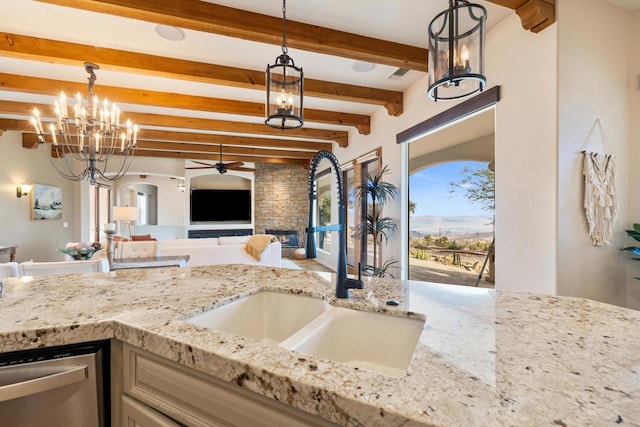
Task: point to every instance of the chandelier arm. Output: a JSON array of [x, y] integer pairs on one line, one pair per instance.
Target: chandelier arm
[[124, 166], [68, 174]]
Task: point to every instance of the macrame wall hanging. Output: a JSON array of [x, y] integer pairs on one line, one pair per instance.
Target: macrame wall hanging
[[600, 202]]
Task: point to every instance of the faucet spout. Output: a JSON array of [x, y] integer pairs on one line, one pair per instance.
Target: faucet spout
[[343, 283]]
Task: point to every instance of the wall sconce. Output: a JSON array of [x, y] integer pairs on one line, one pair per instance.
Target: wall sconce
[[23, 190]]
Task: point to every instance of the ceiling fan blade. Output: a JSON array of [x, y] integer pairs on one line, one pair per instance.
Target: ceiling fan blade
[[233, 164], [242, 169], [202, 163], [201, 167]]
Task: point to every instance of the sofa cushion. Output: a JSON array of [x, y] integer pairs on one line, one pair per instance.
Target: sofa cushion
[[144, 249], [233, 240]]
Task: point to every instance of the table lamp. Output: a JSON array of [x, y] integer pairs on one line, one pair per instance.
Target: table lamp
[[127, 214]]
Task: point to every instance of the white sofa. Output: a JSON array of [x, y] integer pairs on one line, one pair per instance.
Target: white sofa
[[207, 251], [30, 268], [9, 269]]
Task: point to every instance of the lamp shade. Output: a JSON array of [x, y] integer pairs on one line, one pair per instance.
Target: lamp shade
[[126, 213], [456, 51]]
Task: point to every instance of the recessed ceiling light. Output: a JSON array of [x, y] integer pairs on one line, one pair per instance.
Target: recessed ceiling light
[[168, 32], [363, 66]]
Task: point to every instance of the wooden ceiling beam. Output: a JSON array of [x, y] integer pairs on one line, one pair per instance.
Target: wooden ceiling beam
[[31, 140], [201, 140], [212, 18], [535, 15], [57, 52], [216, 157], [215, 140], [179, 122], [42, 86], [56, 153], [16, 124], [144, 146]]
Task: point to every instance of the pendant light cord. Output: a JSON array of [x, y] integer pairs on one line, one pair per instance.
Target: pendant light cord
[[284, 27]]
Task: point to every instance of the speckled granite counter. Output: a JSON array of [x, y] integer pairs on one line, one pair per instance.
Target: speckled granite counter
[[484, 358]]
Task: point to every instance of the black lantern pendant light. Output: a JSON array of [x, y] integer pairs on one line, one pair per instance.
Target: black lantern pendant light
[[284, 87], [456, 51]]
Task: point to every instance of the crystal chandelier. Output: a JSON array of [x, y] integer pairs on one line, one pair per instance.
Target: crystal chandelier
[[284, 87], [84, 143], [456, 51]]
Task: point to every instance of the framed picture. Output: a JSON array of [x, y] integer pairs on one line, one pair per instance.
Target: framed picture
[[46, 202]]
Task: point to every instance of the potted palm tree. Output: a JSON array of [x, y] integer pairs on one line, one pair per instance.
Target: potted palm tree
[[377, 192], [635, 234]]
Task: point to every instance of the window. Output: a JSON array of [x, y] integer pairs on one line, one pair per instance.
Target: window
[[323, 209], [142, 205]]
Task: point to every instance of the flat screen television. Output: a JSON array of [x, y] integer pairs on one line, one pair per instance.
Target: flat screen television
[[220, 205]]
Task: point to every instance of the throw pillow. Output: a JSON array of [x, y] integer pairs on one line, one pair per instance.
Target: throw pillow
[[142, 237]]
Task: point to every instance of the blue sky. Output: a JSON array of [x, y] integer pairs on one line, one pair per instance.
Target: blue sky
[[429, 189]]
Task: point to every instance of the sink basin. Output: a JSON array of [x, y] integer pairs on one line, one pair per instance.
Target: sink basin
[[269, 317], [375, 342]]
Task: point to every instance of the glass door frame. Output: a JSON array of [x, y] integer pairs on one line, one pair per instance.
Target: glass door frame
[[358, 166]]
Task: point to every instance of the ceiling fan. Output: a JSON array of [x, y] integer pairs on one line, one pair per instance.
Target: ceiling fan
[[222, 167]]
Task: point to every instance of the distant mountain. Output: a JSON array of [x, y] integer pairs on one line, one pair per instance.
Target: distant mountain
[[448, 225]]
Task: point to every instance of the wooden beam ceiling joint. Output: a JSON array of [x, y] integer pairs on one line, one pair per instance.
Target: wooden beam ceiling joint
[[535, 15]]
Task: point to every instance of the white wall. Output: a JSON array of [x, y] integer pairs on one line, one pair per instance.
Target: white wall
[[36, 240], [524, 64], [594, 50], [633, 267], [170, 204]]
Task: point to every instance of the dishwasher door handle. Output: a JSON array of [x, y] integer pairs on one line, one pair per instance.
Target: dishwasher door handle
[[38, 385]]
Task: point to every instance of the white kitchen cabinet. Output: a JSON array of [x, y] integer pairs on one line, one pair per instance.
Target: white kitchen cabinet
[[196, 399]]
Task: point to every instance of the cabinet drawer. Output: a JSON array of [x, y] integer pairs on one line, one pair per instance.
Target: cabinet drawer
[[136, 414], [197, 399]]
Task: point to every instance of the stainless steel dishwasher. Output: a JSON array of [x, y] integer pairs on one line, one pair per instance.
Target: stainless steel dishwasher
[[55, 386]]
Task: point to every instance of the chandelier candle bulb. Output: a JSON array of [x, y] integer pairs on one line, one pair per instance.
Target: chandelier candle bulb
[[35, 126], [36, 121], [63, 104], [53, 134]]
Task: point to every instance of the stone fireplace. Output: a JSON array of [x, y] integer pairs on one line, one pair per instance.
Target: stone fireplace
[[282, 202]]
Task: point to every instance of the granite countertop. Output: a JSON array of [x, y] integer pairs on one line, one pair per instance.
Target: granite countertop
[[484, 357]]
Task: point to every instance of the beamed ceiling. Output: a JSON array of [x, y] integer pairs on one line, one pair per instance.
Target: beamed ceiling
[[190, 97]]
